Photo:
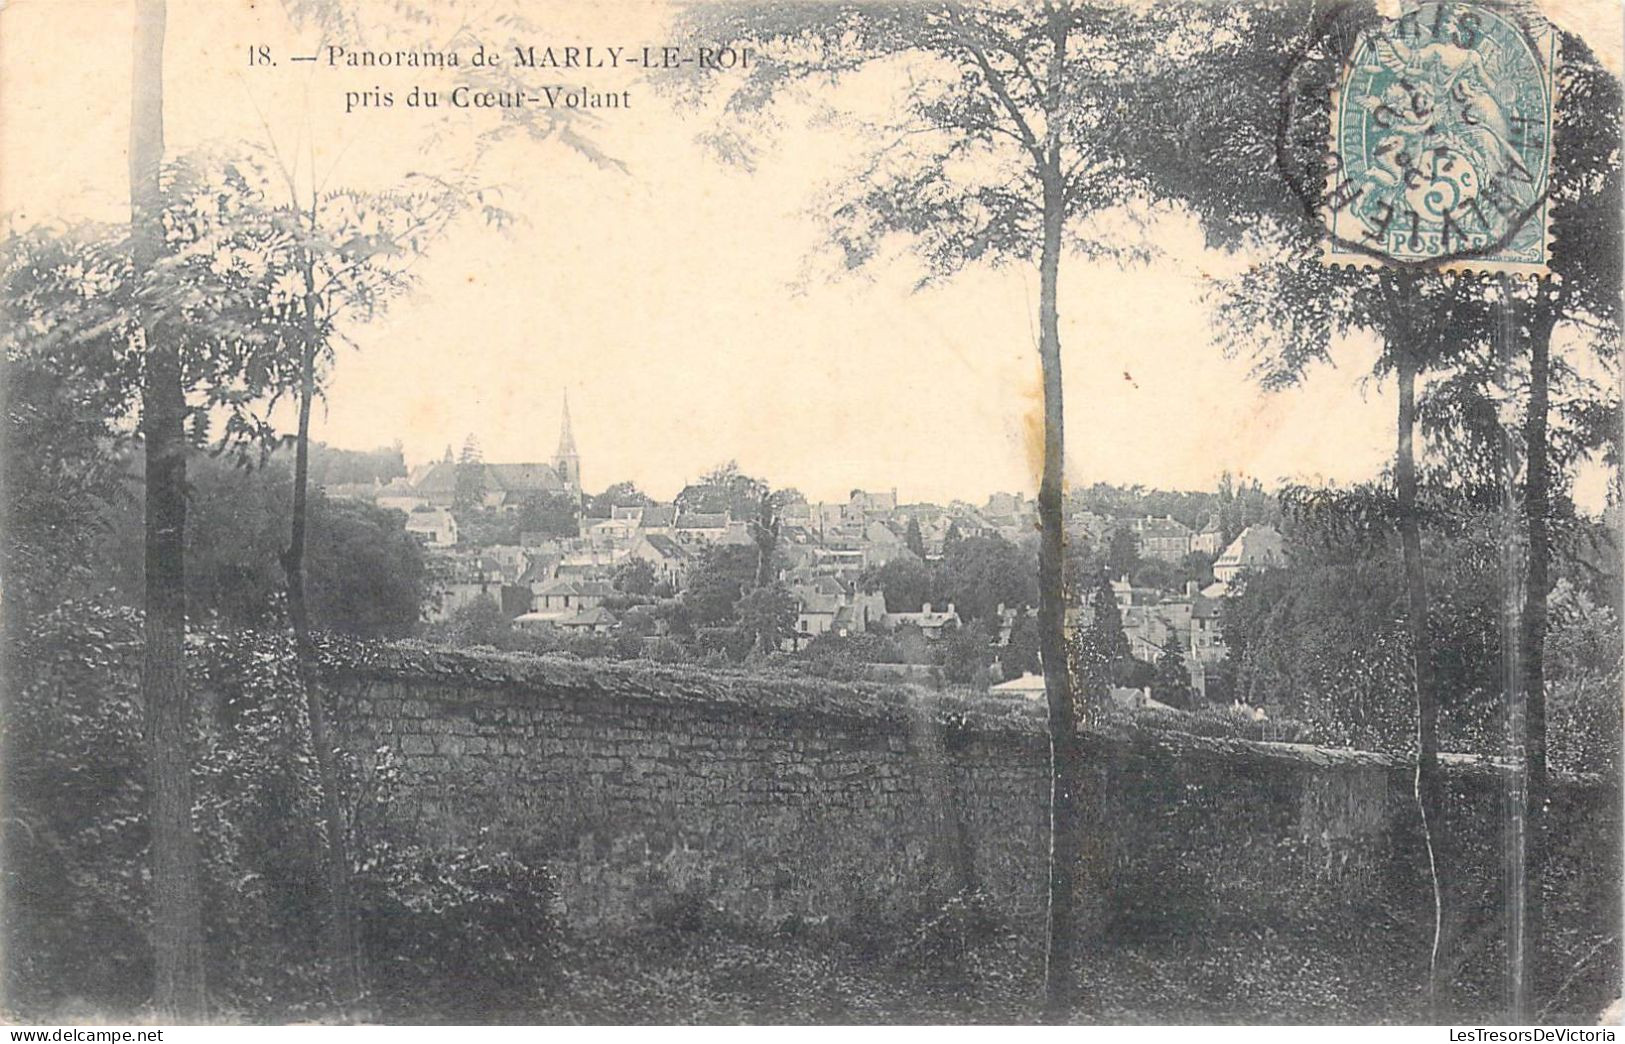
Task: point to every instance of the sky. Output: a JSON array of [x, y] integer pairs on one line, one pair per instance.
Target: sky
[[672, 301]]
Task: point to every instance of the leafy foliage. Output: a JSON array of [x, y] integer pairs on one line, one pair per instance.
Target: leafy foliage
[[463, 928]]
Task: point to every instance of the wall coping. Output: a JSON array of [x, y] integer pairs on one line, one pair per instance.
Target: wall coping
[[899, 704]]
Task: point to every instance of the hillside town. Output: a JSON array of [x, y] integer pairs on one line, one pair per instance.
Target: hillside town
[[619, 564]]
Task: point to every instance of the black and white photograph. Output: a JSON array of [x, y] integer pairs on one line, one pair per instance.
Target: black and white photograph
[[910, 513]]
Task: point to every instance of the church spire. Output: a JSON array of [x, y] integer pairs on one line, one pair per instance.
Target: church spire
[[566, 461], [567, 442]]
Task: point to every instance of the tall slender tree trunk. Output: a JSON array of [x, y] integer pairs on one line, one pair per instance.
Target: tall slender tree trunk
[[1066, 754], [338, 934], [177, 917], [1513, 595], [177, 914], [1532, 653], [1428, 786]]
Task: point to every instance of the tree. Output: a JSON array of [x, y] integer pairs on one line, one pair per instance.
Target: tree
[[621, 494], [636, 577], [1123, 551], [470, 476], [367, 575], [1287, 309], [354, 250], [1586, 186], [330, 465], [979, 574], [1157, 574], [717, 582], [914, 540], [764, 533], [350, 251], [767, 612], [66, 398], [480, 622], [1172, 682], [551, 514], [906, 582], [966, 651], [1006, 142], [1583, 191], [177, 914], [723, 490], [1098, 656], [1021, 654]]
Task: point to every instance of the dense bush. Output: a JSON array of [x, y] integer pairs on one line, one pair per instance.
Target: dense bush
[[464, 933], [474, 924]]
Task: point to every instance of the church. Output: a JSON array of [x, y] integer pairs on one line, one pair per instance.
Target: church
[[506, 486]]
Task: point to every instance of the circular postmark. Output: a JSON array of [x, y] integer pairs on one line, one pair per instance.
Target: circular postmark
[[1438, 139]]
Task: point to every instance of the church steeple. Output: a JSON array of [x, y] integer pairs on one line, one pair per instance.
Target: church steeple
[[566, 461]]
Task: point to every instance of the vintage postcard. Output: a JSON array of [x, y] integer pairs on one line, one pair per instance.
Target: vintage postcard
[[999, 512]]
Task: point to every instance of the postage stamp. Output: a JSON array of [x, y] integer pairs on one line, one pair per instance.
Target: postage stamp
[[1441, 142]]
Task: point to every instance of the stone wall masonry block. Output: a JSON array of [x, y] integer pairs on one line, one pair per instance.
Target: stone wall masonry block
[[771, 799]]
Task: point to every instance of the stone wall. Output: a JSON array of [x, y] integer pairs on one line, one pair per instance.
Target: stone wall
[[648, 786]]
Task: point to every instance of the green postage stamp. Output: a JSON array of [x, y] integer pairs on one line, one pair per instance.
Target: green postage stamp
[[1441, 142]]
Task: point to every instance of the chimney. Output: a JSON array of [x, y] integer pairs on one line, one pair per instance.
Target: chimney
[[927, 608], [1190, 588]]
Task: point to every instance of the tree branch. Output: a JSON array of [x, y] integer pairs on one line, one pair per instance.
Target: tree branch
[[995, 80]]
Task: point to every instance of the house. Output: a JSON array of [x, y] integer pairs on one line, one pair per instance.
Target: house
[[1211, 538], [588, 621], [862, 505], [668, 558], [613, 532], [1126, 594], [1008, 506], [539, 569], [882, 542], [738, 533], [863, 609], [1165, 537], [1207, 648], [815, 614], [1089, 528], [658, 519], [560, 598], [846, 563], [1258, 547], [511, 558], [1029, 686], [826, 518], [1207, 642], [700, 529], [931, 622], [459, 580], [969, 522], [433, 527], [825, 604], [589, 564], [1148, 627]]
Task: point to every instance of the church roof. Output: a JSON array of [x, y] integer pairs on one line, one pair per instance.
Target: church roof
[[526, 477]]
